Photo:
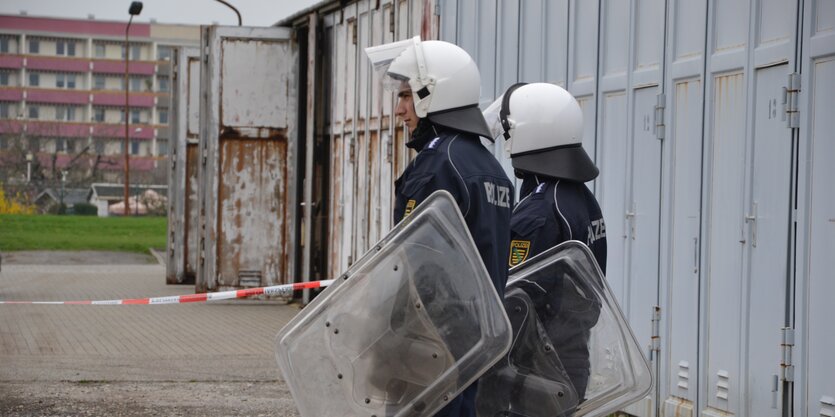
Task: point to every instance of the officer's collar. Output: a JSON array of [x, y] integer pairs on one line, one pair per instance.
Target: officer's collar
[[423, 134], [533, 184]]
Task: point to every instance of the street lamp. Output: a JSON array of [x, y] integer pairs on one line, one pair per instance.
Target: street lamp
[[61, 208], [134, 10], [29, 158]]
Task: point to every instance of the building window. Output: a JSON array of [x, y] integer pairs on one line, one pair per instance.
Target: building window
[[4, 78], [4, 45], [134, 116], [33, 112], [162, 115], [162, 147], [71, 48], [70, 145], [98, 114], [135, 84], [163, 53], [34, 46], [65, 80], [98, 82], [4, 110], [163, 84], [59, 47], [135, 51], [3, 144], [34, 79], [100, 50], [122, 115], [66, 113], [59, 145], [99, 146], [34, 144], [134, 147]]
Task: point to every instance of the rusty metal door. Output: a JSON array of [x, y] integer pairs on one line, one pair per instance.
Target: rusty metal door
[[192, 161], [247, 144], [182, 181]]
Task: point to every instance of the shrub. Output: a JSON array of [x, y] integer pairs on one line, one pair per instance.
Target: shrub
[[14, 205], [85, 209]]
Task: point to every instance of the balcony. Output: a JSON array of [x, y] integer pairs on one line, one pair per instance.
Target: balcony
[[58, 64], [117, 99], [118, 67], [57, 96], [11, 61]]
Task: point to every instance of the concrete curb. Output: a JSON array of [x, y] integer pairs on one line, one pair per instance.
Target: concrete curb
[[160, 256]]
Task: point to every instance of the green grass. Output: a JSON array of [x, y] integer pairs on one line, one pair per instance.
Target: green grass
[[46, 232]]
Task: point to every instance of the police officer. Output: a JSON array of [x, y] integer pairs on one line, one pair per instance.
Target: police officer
[[438, 87], [544, 126]]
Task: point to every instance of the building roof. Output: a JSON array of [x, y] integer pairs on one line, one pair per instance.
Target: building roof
[[72, 196]]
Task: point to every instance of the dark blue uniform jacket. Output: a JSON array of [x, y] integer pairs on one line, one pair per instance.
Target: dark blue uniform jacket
[[458, 163], [551, 212]]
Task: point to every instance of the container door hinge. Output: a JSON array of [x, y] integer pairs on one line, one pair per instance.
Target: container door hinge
[[791, 113], [438, 8], [655, 342], [205, 156], [659, 116], [786, 347]]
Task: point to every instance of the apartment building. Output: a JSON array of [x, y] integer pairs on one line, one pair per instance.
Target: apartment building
[[62, 92]]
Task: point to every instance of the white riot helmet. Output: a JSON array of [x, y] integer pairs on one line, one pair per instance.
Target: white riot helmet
[[444, 80], [544, 127]]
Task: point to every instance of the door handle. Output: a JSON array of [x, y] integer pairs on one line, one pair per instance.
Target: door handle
[[752, 219]]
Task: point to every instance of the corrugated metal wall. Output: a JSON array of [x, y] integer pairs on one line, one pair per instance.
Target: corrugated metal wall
[[719, 214], [367, 148]]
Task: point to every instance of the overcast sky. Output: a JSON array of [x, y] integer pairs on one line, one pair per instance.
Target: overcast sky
[[253, 12]]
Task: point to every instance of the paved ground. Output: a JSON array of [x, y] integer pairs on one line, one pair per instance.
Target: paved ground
[[212, 359]]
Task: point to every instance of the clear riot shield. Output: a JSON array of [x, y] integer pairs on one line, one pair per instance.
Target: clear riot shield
[[574, 353], [408, 327]]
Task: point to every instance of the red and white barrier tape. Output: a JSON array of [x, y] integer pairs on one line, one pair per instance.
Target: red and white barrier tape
[[286, 289]]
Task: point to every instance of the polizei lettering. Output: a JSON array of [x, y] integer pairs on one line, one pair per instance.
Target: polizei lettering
[[497, 195], [597, 230]]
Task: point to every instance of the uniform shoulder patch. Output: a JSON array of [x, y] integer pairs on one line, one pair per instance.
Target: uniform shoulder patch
[[410, 206], [519, 250]]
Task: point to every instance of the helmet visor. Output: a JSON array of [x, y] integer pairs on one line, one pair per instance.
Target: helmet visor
[[493, 118], [381, 57]]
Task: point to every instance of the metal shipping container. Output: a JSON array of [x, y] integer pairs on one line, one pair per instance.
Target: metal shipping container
[[247, 172], [181, 266]]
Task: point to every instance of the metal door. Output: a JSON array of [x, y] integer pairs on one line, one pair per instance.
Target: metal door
[[182, 214], [725, 238], [820, 397], [176, 182], [643, 213], [191, 234], [248, 141], [816, 216], [613, 186], [679, 383], [682, 211], [767, 219]]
